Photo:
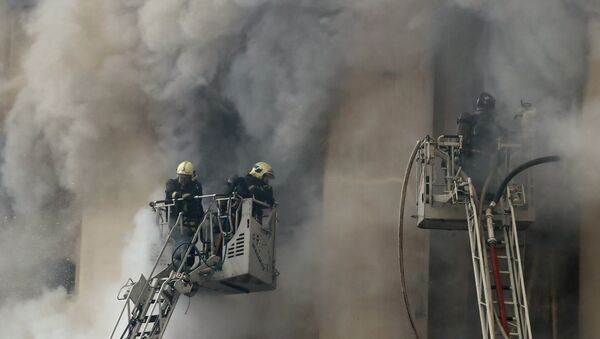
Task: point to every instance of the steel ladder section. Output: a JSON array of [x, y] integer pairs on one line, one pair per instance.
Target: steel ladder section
[[480, 265], [516, 296], [150, 303], [154, 312], [511, 270]]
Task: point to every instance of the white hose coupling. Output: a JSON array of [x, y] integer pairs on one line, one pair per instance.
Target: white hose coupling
[[489, 218]]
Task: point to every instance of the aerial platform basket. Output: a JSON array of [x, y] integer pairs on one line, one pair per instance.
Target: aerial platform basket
[[248, 255], [439, 200], [232, 251]]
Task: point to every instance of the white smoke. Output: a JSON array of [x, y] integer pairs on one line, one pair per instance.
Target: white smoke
[[526, 54], [113, 94]]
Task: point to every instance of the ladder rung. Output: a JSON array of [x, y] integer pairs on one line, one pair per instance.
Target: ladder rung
[[504, 287], [501, 245], [167, 296], [153, 318], [501, 272]]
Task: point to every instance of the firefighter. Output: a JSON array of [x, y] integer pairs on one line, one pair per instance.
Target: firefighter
[[182, 191], [480, 132], [478, 129], [255, 184]]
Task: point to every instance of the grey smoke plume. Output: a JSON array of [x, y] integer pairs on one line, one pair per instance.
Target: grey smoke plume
[[114, 94]]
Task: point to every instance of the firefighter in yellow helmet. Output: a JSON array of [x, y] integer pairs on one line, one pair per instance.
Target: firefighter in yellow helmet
[[182, 191], [254, 184]]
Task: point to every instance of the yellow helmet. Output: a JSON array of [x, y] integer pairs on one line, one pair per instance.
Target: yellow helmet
[[186, 168], [260, 169]]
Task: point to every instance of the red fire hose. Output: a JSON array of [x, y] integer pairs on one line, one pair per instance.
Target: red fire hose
[[498, 281]]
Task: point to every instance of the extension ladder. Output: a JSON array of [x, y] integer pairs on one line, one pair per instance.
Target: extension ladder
[[503, 309], [153, 312], [149, 303]]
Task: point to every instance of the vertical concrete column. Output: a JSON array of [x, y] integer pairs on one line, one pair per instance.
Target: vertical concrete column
[[108, 220], [590, 229], [381, 114], [105, 229], [4, 38]]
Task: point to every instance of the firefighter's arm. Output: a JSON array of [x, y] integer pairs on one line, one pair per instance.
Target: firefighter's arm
[[199, 192], [269, 198], [263, 193], [171, 191], [233, 184]]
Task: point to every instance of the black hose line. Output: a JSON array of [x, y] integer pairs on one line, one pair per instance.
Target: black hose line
[[402, 205], [519, 169], [194, 252]]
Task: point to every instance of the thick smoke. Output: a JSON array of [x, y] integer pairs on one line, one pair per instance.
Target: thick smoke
[[113, 94], [110, 95]]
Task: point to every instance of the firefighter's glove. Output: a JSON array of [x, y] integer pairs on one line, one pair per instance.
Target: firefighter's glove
[[232, 180], [187, 196]]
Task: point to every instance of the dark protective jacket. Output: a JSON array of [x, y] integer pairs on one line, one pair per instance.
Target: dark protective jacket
[[249, 186], [479, 130], [191, 208]]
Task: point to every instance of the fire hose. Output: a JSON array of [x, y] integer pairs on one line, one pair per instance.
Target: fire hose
[[401, 237], [489, 215]]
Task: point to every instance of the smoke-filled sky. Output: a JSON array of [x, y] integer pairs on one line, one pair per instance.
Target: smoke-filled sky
[[105, 97], [108, 96]]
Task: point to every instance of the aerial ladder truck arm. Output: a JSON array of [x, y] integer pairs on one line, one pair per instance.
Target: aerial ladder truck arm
[[245, 262], [442, 188]]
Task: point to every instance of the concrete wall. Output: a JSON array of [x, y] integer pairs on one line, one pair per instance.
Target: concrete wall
[[457, 81], [108, 225], [590, 230], [381, 114]]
